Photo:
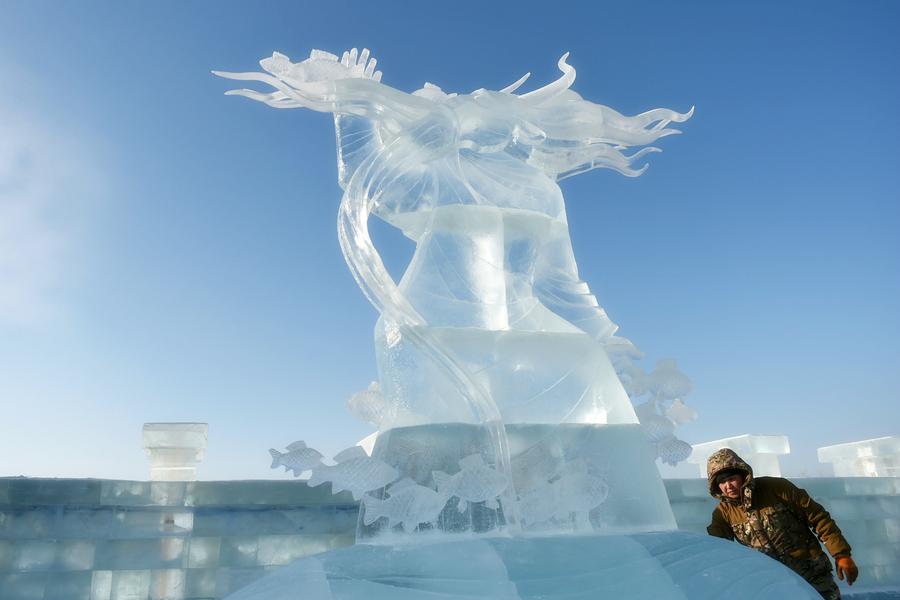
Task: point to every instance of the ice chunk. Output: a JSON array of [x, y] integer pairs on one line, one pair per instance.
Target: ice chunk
[[869, 458], [174, 449], [409, 503], [761, 451]]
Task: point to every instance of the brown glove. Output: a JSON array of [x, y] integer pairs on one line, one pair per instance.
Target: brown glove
[[845, 565]]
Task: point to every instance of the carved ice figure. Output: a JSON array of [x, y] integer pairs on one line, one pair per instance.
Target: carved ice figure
[[355, 472], [298, 457], [538, 504], [408, 503], [490, 335], [579, 492], [476, 482], [367, 404]]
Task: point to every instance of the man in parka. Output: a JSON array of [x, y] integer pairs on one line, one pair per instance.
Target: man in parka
[[772, 515]]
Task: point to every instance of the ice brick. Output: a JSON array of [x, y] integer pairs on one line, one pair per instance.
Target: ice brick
[[759, 450], [54, 491], [83, 522], [167, 584], [142, 493], [238, 552], [23, 586], [200, 584], [277, 550], [872, 486], [53, 555], [72, 585], [203, 553], [229, 581], [174, 449], [4, 491], [230, 493], [130, 585], [160, 553], [28, 523], [139, 522], [862, 449], [266, 521], [883, 531], [101, 585], [7, 550]]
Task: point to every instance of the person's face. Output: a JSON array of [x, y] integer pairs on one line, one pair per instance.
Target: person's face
[[731, 485]]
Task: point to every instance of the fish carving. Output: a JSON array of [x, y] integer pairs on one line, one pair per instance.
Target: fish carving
[[298, 458], [475, 483], [355, 472]]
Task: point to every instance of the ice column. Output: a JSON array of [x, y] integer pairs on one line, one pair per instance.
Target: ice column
[[174, 449], [760, 450], [869, 458]]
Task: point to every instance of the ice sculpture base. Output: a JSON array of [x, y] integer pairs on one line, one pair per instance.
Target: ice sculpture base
[[654, 566], [617, 454]]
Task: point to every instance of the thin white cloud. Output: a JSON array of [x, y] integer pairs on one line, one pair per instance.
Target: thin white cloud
[[49, 185]]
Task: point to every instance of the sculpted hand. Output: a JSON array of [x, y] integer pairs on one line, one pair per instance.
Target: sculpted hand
[[845, 565]]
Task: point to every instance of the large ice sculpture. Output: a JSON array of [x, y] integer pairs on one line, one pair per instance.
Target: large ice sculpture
[[491, 350], [501, 412]]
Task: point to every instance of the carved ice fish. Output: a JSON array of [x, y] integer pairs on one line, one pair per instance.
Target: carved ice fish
[[579, 492], [355, 472], [367, 405], [475, 483], [680, 413], [538, 505], [298, 458], [408, 503]]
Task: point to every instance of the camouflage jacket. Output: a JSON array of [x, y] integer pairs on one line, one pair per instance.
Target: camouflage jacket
[[772, 515]]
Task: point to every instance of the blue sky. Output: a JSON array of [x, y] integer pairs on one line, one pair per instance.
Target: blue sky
[[170, 254]]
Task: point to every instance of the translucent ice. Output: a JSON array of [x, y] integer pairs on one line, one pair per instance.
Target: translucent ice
[[674, 565], [367, 404], [869, 458], [760, 450], [355, 472], [476, 482], [490, 333], [408, 503], [298, 458]]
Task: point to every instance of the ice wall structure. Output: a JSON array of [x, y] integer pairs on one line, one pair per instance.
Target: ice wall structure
[[502, 411]]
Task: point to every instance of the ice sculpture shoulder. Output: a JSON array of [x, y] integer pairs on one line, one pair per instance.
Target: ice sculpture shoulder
[[490, 348]]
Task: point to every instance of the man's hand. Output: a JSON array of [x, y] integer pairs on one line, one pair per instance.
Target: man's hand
[[846, 566]]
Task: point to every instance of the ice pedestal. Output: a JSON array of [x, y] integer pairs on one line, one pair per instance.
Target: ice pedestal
[[676, 565], [174, 449], [759, 450], [869, 458]]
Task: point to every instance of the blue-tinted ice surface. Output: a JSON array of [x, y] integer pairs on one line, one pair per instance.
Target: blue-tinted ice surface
[[653, 566]]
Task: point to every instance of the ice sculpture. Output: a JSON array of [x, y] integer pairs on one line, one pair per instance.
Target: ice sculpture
[[499, 372], [490, 350]]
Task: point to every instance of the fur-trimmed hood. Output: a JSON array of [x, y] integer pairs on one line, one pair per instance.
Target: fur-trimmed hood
[[727, 459]]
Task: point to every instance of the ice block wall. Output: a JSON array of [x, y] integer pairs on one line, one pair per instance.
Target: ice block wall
[[88, 539], [84, 539]]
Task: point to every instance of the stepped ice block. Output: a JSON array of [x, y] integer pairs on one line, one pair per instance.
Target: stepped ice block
[[174, 449], [760, 450], [869, 458]]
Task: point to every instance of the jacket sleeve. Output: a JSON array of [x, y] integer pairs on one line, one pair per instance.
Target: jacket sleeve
[[719, 526], [817, 518]]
